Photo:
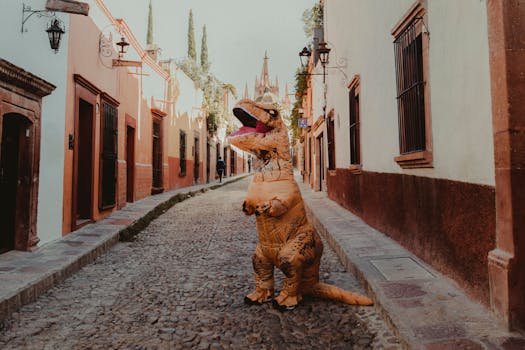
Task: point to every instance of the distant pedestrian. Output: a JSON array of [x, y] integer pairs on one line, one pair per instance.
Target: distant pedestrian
[[221, 167], [249, 165]]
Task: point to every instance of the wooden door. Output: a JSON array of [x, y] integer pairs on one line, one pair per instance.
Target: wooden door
[[83, 165], [15, 182], [196, 160], [130, 164]]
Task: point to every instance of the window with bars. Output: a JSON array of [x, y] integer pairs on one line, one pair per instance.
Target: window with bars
[[355, 133], [182, 154], [108, 166], [157, 155], [410, 89]]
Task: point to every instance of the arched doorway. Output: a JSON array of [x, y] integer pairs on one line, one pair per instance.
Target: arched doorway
[[21, 96], [15, 181]]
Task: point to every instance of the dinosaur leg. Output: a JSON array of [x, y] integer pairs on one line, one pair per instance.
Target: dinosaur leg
[[263, 279], [292, 263]]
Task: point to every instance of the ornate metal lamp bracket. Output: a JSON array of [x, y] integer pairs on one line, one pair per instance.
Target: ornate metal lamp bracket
[[28, 12]]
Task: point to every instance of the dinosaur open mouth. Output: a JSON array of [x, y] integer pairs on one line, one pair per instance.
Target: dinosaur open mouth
[[250, 123]]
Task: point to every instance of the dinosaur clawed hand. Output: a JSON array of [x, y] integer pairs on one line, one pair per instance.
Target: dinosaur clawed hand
[[262, 207]]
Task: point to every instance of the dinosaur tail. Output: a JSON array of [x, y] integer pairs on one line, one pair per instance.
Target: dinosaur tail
[[327, 291]]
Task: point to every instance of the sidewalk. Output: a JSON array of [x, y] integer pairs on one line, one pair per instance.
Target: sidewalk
[[425, 309], [24, 276]]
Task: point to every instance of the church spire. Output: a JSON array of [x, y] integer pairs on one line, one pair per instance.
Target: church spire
[[246, 93], [265, 79], [149, 38]]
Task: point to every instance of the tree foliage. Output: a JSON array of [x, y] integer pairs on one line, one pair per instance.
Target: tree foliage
[[213, 88], [149, 37], [205, 64], [312, 18], [192, 53], [301, 87]]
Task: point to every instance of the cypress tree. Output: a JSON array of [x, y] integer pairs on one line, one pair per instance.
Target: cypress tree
[[204, 51], [149, 38], [192, 53]]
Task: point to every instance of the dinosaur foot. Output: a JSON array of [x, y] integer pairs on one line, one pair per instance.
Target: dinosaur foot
[[259, 297], [286, 302], [276, 306]]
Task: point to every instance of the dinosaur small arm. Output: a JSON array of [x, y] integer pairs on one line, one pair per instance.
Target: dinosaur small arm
[[287, 239]]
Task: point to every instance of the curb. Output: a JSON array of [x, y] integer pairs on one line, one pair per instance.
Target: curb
[[359, 274]]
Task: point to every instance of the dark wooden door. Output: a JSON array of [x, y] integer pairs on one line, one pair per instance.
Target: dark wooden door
[[233, 156], [196, 160], [208, 159], [84, 205], [320, 165], [15, 182], [130, 163]]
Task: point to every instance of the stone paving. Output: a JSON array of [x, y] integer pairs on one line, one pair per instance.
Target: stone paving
[[180, 285]]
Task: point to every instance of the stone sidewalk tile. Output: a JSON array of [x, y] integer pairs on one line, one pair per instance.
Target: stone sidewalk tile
[[425, 309], [26, 275]]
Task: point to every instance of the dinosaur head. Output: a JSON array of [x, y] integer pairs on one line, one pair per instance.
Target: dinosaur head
[[262, 129]]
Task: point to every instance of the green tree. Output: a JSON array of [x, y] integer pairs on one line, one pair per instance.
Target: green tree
[[192, 53], [149, 38], [312, 18], [205, 64], [301, 86]]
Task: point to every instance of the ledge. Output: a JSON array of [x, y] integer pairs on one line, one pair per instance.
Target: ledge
[[17, 77], [355, 168], [422, 159]]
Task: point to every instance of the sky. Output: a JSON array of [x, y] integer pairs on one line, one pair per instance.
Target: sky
[[239, 32]]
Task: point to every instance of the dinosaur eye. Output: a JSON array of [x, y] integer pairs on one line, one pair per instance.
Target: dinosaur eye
[[273, 112]]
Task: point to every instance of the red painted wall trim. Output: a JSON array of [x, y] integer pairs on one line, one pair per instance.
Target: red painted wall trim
[[448, 224]]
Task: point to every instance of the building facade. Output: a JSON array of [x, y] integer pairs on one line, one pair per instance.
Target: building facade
[[411, 131], [86, 129]]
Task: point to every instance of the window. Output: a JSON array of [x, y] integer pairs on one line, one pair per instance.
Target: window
[[330, 132], [355, 124], [182, 153], [157, 156], [411, 55], [233, 156], [108, 166]]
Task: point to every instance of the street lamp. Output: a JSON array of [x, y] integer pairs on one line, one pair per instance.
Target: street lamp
[[122, 47], [323, 52], [304, 56], [55, 31]]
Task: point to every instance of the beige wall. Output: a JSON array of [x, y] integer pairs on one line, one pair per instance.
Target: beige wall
[[359, 32]]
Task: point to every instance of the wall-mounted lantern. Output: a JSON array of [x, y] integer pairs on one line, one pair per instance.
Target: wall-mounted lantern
[[323, 53], [54, 32], [304, 56], [122, 47]]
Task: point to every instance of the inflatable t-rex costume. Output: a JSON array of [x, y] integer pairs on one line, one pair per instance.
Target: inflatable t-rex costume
[[287, 239]]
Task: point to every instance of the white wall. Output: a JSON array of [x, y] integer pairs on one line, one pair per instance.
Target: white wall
[[31, 51], [459, 82]]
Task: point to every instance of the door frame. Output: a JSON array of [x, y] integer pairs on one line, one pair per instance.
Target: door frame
[[21, 93], [88, 92]]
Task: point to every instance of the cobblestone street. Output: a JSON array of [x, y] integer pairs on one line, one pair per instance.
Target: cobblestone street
[[180, 285]]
